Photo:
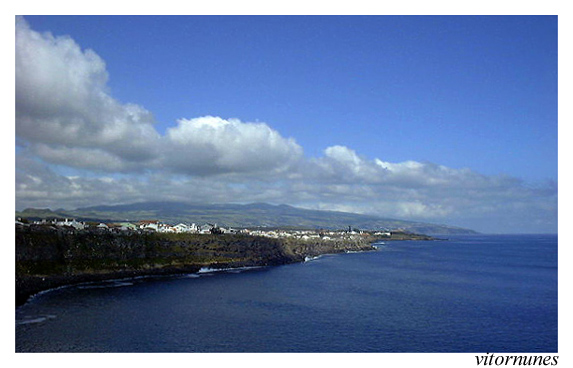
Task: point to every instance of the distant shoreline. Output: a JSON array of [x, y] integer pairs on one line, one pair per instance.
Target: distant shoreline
[[240, 216]]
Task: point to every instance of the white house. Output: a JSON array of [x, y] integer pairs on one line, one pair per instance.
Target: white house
[[182, 228], [149, 225], [383, 233], [205, 229], [71, 222]]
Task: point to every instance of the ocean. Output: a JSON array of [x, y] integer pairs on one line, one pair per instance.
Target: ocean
[[483, 293]]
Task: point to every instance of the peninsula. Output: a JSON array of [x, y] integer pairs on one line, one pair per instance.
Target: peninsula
[[49, 255]]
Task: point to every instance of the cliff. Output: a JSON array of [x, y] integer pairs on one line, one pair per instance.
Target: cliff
[[48, 258]]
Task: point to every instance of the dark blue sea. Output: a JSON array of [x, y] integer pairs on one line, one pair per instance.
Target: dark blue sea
[[465, 294]]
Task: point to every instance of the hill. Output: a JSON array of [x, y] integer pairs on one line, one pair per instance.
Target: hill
[[242, 215]]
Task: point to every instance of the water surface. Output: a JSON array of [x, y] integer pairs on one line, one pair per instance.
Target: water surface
[[467, 294]]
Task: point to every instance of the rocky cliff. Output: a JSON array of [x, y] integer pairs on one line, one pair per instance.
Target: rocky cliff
[[48, 259]]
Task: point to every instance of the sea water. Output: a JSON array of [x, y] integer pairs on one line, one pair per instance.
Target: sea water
[[465, 294]]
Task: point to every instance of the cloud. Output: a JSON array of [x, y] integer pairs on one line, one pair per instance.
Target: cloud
[[343, 180], [62, 103], [66, 118], [491, 204], [65, 115], [211, 144]]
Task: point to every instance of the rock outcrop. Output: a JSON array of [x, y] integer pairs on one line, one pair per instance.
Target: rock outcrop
[[51, 258]]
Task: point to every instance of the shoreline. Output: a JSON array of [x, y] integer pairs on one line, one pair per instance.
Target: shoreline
[[49, 260], [27, 287]]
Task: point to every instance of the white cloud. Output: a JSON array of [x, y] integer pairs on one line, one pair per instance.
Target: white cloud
[[82, 157], [212, 144], [66, 116], [62, 101], [493, 205], [341, 164]]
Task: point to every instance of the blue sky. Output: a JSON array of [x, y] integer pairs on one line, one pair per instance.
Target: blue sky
[[467, 91], [449, 119]]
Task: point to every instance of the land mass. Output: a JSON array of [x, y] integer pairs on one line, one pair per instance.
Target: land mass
[[49, 257], [243, 216]]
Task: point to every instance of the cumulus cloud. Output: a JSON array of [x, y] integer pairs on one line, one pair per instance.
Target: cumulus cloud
[[344, 163], [66, 117], [494, 204], [343, 180], [212, 144], [62, 103]]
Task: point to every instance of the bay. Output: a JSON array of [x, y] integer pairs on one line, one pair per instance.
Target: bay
[[494, 293]]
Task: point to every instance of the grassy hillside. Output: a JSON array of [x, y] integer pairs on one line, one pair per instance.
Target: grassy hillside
[[249, 215]]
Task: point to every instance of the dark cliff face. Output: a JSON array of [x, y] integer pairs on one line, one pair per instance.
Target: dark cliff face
[[58, 253], [50, 258]]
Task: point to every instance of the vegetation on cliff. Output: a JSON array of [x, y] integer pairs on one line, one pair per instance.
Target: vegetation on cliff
[[241, 216], [47, 259]]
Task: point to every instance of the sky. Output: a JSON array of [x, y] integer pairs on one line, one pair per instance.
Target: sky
[[442, 119]]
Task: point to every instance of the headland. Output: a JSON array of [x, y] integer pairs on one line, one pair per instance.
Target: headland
[[48, 256]]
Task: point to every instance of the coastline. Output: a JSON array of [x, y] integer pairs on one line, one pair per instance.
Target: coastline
[[49, 260], [29, 286]]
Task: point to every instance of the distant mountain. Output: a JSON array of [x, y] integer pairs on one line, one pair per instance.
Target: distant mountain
[[242, 215], [41, 213]]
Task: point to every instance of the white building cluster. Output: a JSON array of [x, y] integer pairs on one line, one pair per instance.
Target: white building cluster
[[308, 235], [161, 227], [137, 226]]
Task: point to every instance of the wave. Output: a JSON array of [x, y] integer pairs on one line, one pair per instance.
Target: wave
[[208, 270], [105, 285], [42, 292], [308, 259], [379, 245], [30, 320]]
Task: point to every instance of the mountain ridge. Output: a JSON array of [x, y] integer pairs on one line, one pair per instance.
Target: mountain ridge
[[242, 215]]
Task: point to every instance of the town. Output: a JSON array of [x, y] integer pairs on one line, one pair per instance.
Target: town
[[155, 226]]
